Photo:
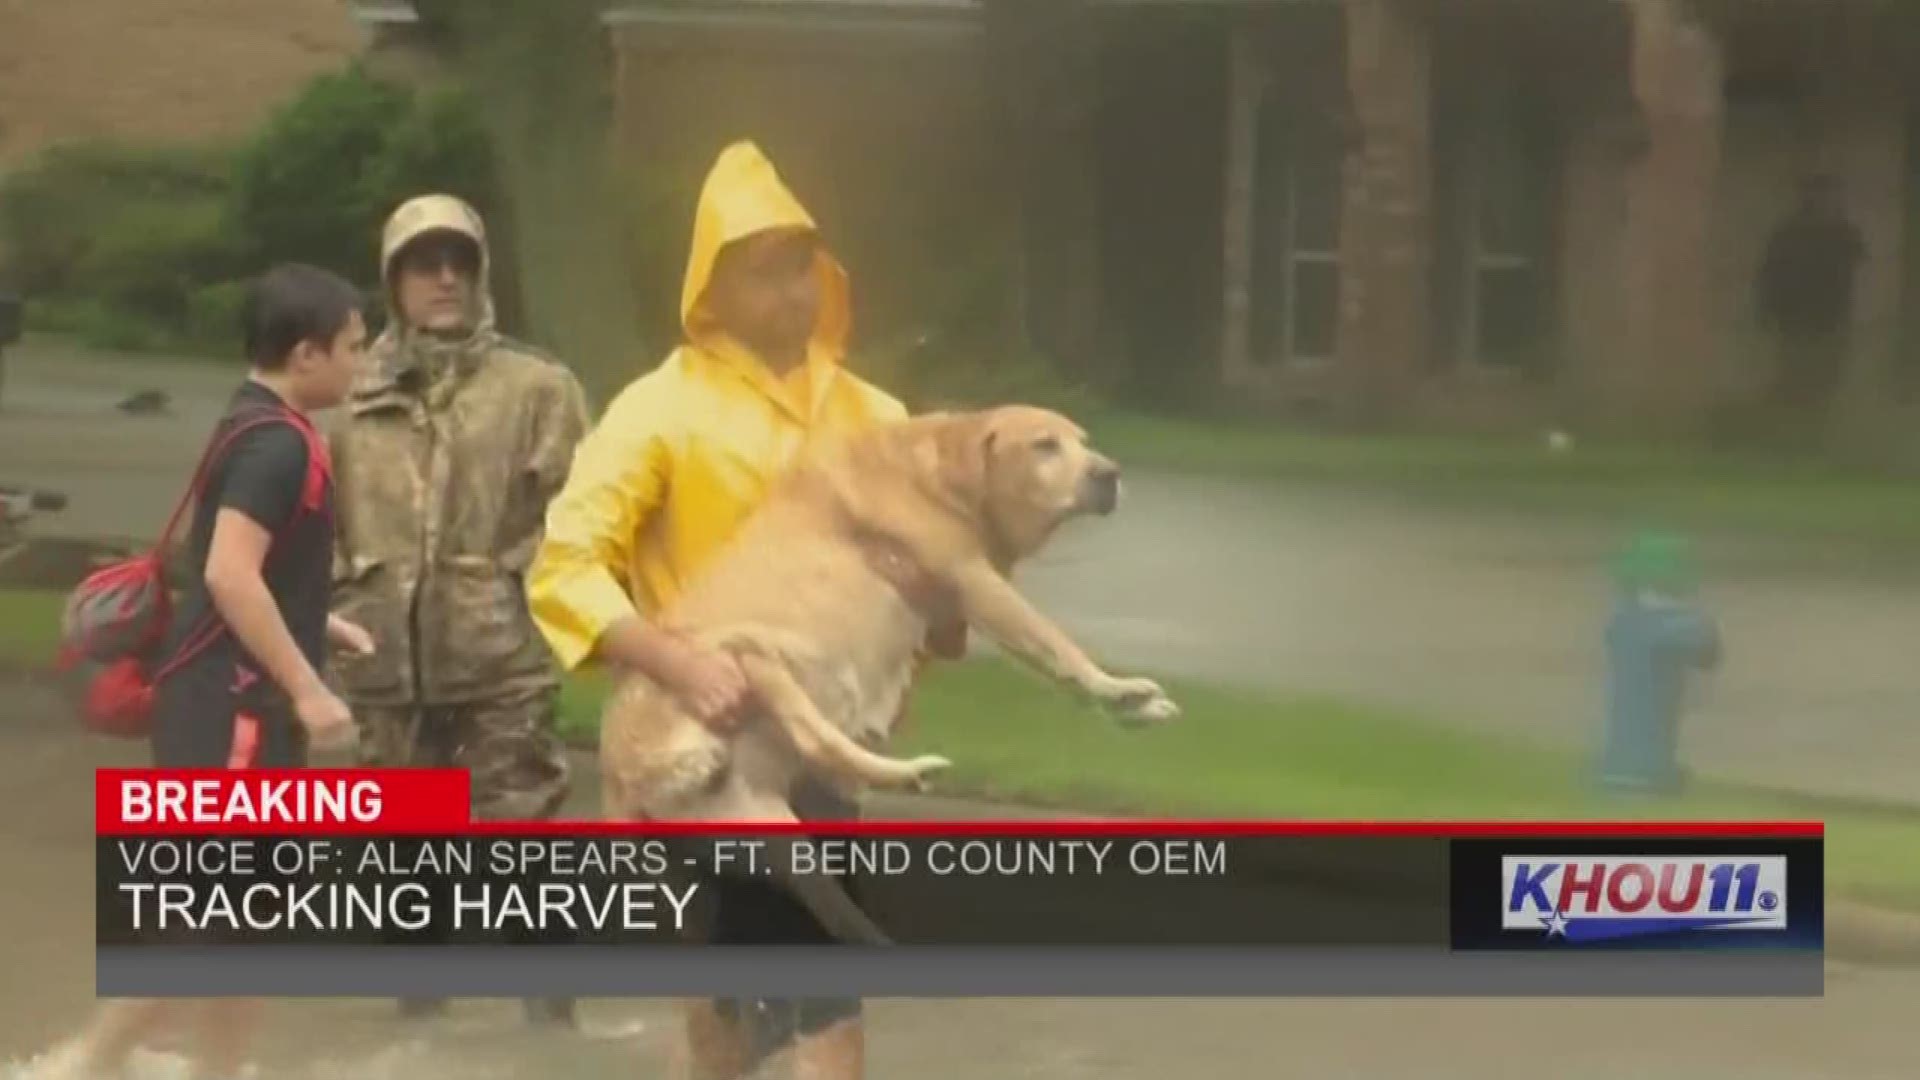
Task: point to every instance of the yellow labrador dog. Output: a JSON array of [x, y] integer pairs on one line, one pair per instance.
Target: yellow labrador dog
[[826, 595]]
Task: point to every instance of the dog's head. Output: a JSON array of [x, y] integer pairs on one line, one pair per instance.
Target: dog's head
[[1025, 471]]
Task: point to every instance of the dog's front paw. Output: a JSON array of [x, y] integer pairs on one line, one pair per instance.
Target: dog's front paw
[[1139, 701]]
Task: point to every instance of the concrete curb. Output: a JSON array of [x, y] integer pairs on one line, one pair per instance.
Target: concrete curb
[[1864, 934], [1856, 932]]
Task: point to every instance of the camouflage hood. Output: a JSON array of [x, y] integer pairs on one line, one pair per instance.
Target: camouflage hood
[[401, 348]]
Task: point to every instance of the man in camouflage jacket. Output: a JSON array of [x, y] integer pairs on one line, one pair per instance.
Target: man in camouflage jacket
[[446, 452]]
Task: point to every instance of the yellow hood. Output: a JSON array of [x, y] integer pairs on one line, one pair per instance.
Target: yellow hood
[[743, 195], [687, 452]]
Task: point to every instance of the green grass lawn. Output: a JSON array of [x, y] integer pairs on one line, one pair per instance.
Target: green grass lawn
[[1242, 754], [1253, 755], [29, 628], [1674, 484]]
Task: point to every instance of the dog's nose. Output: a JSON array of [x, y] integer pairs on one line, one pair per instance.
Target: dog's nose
[[1103, 485]]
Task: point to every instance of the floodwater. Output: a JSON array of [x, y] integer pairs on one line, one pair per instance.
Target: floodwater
[[1861, 1030], [1479, 617], [1490, 619], [1494, 620]]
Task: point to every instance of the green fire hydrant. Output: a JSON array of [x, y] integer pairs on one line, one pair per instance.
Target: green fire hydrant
[[1657, 637]]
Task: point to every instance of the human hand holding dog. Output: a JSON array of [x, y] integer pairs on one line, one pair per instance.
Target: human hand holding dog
[[708, 682]]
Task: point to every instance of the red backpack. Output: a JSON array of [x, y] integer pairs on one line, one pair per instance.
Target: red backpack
[[118, 617]]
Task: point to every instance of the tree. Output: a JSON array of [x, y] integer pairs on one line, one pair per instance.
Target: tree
[[542, 74], [1042, 56]]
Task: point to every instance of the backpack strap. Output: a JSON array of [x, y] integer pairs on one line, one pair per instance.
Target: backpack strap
[[319, 462], [211, 628], [216, 451]]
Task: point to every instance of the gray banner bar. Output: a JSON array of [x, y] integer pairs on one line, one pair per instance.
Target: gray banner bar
[[596, 971]]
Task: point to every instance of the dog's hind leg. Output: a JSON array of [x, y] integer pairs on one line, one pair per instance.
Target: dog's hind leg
[[617, 801], [820, 742]]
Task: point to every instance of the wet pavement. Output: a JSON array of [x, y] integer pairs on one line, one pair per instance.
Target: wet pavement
[[1481, 618], [1494, 620], [1486, 619]]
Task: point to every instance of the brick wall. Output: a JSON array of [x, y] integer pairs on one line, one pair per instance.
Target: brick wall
[[886, 144], [160, 70]]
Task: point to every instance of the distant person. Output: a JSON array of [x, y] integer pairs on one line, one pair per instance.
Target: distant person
[[10, 319], [249, 640], [452, 441], [684, 454], [1805, 297]]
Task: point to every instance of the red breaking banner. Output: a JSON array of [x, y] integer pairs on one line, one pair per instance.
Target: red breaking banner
[[424, 802], [281, 802]]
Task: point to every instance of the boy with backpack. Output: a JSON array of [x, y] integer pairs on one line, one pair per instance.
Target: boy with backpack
[[230, 678]]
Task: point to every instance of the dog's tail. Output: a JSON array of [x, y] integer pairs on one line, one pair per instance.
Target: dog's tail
[[822, 744]]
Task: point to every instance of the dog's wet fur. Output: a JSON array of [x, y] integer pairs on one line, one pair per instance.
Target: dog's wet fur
[[830, 643]]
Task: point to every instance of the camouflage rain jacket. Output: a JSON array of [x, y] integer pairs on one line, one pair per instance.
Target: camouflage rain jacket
[[445, 455]]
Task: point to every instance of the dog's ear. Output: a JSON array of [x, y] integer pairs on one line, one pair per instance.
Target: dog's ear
[[962, 449]]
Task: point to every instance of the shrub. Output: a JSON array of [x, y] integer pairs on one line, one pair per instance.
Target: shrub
[[298, 189], [319, 179], [135, 247], [111, 328], [53, 214], [438, 145], [59, 314], [98, 326], [147, 258], [213, 315]]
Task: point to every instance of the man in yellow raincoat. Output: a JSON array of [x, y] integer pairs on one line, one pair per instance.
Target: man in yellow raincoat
[[683, 455]]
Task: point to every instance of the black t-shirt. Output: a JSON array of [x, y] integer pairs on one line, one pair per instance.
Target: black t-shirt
[[262, 474]]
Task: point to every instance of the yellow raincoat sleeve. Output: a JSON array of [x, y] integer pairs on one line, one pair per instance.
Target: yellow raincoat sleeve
[[577, 586]]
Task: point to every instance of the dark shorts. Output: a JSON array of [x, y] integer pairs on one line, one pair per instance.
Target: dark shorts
[[755, 912], [197, 726], [201, 722]]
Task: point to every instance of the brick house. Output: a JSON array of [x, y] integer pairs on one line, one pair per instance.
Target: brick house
[[1463, 214], [182, 70], [1553, 210]]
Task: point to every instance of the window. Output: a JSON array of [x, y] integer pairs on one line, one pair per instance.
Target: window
[[1296, 294], [1907, 380], [1506, 189]]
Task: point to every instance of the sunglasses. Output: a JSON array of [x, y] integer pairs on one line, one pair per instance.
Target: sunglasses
[[433, 256]]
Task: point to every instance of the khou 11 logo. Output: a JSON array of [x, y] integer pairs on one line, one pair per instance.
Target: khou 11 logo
[[1594, 898]]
